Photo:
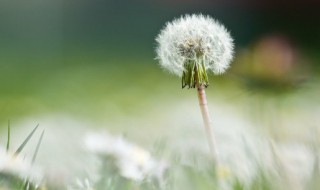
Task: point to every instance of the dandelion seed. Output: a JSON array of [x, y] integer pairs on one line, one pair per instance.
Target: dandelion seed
[[189, 47]]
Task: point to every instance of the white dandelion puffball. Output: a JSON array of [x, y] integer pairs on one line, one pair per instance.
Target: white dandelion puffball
[[195, 38], [133, 162], [17, 166]]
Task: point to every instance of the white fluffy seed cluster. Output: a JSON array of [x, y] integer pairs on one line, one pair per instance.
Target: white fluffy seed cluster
[[193, 37], [132, 161], [14, 165]]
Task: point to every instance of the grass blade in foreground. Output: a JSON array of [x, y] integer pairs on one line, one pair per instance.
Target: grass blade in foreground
[[25, 141], [37, 148], [8, 141]]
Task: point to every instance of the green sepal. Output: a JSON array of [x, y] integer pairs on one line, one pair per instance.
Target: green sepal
[[194, 73]]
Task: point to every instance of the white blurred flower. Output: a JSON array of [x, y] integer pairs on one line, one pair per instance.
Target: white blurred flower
[[14, 165], [197, 39], [132, 161]]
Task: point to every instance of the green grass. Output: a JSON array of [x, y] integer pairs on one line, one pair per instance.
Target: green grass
[[115, 89]]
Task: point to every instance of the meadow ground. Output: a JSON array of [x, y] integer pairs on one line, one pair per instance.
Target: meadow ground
[[133, 100]]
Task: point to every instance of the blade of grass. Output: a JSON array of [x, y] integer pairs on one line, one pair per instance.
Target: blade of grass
[[8, 142], [37, 148], [25, 141]]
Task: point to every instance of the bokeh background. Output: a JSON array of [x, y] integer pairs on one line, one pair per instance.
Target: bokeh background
[[90, 65], [86, 58]]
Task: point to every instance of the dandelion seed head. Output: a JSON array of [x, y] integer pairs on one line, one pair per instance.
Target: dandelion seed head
[[15, 165], [133, 162], [196, 38]]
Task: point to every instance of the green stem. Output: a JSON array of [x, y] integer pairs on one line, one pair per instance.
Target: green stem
[[207, 122]]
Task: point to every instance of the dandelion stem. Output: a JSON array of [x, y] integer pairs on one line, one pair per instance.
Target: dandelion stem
[[207, 121]]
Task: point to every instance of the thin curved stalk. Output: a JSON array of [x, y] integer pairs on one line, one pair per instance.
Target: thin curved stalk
[[207, 121]]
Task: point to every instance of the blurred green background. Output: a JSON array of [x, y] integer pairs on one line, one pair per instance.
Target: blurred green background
[[75, 66], [95, 59]]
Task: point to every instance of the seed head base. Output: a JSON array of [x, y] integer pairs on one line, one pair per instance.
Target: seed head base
[[194, 73]]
